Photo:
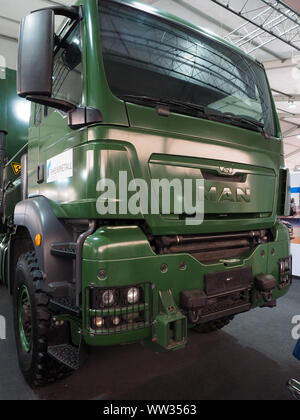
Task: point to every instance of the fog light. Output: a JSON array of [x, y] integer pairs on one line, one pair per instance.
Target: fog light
[[287, 264], [133, 295], [285, 278], [108, 298], [116, 321], [99, 322]]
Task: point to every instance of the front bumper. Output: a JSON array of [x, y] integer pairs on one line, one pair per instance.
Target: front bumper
[[117, 258]]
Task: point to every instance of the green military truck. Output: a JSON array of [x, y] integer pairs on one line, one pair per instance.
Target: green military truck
[[124, 92]]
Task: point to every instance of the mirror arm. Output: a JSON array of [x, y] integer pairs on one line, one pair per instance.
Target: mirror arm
[[78, 116], [84, 116], [51, 102]]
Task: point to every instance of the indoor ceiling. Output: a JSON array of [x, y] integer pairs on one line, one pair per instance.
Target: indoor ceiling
[[281, 60]]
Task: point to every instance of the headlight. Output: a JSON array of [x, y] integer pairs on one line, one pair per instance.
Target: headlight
[[99, 322], [282, 266], [108, 298], [116, 321], [133, 295], [287, 264]]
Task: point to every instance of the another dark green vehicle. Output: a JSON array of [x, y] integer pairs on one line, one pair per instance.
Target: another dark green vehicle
[[123, 88]]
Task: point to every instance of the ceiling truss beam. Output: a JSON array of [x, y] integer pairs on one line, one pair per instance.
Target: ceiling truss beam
[[291, 130], [272, 20], [216, 22], [8, 38], [287, 98]]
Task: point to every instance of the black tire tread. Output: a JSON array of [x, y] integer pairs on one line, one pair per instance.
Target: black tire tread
[[45, 370]]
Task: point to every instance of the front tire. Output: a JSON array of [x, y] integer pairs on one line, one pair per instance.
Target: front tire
[[32, 323]]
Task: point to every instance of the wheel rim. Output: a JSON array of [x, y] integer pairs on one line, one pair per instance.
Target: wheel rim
[[24, 317]]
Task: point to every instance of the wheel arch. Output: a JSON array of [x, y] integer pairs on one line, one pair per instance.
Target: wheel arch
[[19, 244], [36, 216]]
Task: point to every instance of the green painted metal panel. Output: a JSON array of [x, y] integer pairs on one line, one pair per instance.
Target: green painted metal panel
[[122, 270]]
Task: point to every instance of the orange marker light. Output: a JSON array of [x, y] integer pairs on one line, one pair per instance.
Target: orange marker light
[[38, 240]]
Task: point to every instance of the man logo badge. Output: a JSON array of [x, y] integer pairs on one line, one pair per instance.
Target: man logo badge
[[226, 171]]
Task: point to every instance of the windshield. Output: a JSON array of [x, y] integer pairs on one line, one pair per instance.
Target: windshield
[[151, 57]]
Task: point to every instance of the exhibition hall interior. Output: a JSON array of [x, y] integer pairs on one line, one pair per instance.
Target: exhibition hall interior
[[150, 201]]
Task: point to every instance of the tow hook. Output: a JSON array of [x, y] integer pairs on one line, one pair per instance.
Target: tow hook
[[170, 325]]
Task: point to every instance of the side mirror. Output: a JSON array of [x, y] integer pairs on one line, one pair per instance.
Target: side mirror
[[35, 57]]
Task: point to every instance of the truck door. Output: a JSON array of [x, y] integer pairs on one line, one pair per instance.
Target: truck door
[[56, 139]]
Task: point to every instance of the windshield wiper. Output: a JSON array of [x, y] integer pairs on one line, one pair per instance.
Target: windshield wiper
[[244, 120], [206, 112], [167, 102], [239, 119]]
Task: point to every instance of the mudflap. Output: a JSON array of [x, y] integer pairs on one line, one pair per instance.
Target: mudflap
[[170, 325]]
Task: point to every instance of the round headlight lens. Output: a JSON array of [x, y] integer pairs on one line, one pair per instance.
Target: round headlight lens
[[99, 322], [287, 264], [116, 321], [133, 295], [282, 266], [108, 298]]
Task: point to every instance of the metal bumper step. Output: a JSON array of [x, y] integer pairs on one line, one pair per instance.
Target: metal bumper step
[[64, 306], [66, 354], [66, 249]]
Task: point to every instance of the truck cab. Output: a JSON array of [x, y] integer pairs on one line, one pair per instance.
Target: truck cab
[[129, 102]]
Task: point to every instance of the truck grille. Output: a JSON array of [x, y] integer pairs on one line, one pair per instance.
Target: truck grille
[[211, 248]]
